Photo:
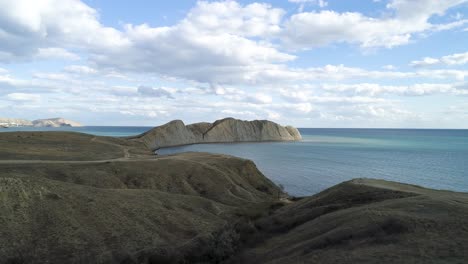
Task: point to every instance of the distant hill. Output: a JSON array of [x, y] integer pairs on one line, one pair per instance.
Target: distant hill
[[50, 122]]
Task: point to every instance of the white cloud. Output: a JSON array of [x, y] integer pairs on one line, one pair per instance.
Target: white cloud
[[366, 92], [229, 17], [183, 52], [312, 29], [389, 67], [222, 58], [155, 92], [368, 112], [373, 89], [233, 45], [320, 3], [23, 97], [56, 53], [80, 69], [420, 10], [47, 28], [449, 60]]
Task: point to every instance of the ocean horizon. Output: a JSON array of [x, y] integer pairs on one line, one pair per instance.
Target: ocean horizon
[[433, 158]]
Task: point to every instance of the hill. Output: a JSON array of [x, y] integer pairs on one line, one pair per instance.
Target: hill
[[364, 221], [74, 198]]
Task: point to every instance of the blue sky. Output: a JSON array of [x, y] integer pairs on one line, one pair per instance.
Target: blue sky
[[308, 63]]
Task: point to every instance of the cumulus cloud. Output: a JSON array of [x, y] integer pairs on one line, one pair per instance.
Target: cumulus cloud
[[36, 28], [312, 29], [215, 42], [213, 18], [225, 58]]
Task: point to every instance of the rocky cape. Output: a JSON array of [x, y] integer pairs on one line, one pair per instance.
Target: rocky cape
[[176, 133], [50, 122]]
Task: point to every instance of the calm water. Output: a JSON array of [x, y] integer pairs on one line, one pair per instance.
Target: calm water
[[432, 158]]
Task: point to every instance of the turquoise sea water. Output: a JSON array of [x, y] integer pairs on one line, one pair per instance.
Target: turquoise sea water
[[431, 158]]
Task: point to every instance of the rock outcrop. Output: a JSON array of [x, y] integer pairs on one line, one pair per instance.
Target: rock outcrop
[[176, 133], [55, 122]]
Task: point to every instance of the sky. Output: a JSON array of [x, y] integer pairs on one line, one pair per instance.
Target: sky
[[307, 63]]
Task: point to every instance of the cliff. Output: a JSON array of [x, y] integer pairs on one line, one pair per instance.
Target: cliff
[[176, 133]]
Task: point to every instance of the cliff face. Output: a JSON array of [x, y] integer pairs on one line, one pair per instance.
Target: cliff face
[[177, 133]]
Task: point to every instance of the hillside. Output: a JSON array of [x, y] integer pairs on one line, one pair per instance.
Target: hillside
[[74, 198], [121, 203], [364, 221]]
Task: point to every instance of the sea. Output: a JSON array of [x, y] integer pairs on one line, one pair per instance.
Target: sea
[[433, 158]]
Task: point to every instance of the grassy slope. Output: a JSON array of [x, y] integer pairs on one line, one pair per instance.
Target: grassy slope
[[54, 146], [364, 221], [111, 211]]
